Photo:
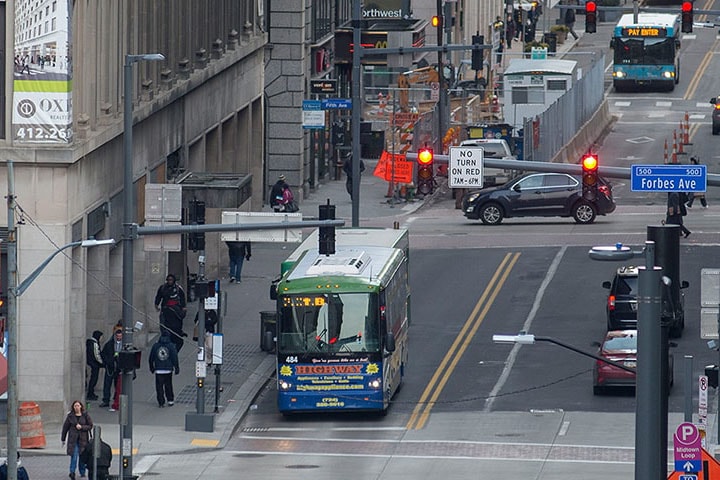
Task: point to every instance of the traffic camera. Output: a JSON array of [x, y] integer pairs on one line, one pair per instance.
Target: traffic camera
[[425, 174], [590, 17], [589, 176], [687, 17]]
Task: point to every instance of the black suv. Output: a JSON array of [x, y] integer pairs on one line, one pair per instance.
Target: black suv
[[622, 303], [538, 195]]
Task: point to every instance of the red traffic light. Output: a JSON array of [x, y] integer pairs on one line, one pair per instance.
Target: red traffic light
[[425, 156], [589, 162], [592, 7], [687, 6]]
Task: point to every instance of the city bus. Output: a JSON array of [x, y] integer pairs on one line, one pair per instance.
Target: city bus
[[646, 51], [342, 323]]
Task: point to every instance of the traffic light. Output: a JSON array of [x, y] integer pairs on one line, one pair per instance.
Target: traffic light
[[477, 53], [687, 17], [436, 21], [590, 17], [326, 237], [196, 216], [590, 176], [425, 174]]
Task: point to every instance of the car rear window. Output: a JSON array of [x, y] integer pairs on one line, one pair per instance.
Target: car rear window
[[628, 342], [626, 286]]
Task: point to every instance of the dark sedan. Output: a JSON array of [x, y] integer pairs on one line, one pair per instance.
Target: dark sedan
[[538, 195]]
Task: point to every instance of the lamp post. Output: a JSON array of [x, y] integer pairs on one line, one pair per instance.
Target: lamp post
[[650, 407], [14, 291], [129, 232]]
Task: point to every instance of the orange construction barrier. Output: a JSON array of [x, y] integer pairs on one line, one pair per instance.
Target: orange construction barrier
[[30, 427], [665, 152], [686, 130]]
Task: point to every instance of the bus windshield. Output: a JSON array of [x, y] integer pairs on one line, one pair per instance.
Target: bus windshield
[[328, 323], [644, 51]]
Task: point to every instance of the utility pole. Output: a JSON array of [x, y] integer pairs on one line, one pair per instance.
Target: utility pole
[[356, 108], [12, 395], [442, 97], [129, 233]]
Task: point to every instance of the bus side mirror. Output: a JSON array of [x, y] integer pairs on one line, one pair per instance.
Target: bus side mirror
[[612, 43], [677, 43], [273, 292], [390, 342], [684, 284], [713, 100]]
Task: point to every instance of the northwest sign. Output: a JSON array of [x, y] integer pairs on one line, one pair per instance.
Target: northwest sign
[[688, 449]]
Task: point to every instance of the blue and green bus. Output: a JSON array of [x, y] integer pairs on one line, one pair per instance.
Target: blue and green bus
[[646, 51], [342, 324]]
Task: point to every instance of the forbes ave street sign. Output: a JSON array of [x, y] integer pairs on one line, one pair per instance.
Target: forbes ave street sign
[[668, 178]]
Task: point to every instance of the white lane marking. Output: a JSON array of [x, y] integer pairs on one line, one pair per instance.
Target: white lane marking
[[526, 327], [145, 464], [622, 104], [564, 428], [663, 104]]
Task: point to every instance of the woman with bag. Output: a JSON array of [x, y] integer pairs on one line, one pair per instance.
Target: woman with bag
[[77, 429]]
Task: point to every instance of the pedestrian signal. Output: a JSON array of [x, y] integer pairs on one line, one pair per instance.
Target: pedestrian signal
[[590, 17]]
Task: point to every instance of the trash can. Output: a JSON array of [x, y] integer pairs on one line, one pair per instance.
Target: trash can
[[268, 330], [551, 39]]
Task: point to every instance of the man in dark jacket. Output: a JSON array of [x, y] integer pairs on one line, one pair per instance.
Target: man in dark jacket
[[109, 354], [163, 360], [104, 461], [94, 362], [276, 193], [238, 252], [348, 169], [170, 302]]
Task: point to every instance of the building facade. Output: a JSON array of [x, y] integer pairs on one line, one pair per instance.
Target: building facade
[[61, 123]]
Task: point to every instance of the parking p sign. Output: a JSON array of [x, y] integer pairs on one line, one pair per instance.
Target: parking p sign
[[688, 450]]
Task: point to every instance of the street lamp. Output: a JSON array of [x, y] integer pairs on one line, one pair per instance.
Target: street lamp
[[129, 232], [14, 292], [528, 339]]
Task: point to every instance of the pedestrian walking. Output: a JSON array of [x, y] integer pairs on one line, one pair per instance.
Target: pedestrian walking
[[700, 195], [570, 20], [112, 380], [76, 429], [348, 169], [170, 302], [163, 361], [94, 363], [211, 320], [675, 212], [509, 30], [238, 252], [277, 194]]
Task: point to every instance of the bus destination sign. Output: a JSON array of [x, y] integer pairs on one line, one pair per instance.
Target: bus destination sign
[[644, 32]]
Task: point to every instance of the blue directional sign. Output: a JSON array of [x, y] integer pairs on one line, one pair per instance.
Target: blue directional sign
[[668, 178], [310, 105], [337, 104], [688, 466], [688, 477]]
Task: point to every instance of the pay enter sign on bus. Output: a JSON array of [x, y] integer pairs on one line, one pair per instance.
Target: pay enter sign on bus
[[644, 32]]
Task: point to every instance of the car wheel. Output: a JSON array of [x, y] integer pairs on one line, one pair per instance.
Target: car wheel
[[715, 129], [491, 214], [584, 212]]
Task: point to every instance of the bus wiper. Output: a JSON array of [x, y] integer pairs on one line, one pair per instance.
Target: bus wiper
[[318, 338]]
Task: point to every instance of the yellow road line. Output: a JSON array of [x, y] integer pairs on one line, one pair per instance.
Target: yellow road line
[[462, 341], [202, 442], [697, 76]]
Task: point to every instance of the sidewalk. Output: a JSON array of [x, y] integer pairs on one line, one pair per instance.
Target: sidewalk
[[246, 368]]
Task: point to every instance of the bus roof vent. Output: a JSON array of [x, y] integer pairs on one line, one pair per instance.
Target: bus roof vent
[[346, 263]]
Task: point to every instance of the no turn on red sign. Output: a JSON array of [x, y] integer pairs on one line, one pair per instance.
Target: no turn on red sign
[[465, 168]]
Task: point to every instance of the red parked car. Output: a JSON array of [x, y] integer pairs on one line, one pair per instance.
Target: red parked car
[[620, 346]]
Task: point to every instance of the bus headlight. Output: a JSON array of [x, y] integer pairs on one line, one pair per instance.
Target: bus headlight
[[285, 385], [375, 383], [668, 74], [619, 74]]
